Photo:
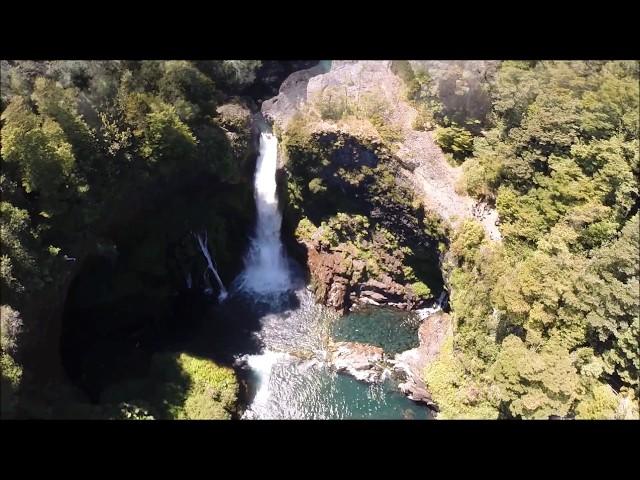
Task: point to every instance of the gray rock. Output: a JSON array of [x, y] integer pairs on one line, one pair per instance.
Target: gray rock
[[362, 361], [378, 297], [293, 94], [424, 164]]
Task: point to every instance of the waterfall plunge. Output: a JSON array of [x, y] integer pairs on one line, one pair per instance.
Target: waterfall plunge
[[266, 269]]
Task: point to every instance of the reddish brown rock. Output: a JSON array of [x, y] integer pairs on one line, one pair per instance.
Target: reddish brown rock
[[338, 281], [330, 277]]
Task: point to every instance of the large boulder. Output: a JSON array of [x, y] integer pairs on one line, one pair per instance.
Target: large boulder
[[362, 361], [293, 94]]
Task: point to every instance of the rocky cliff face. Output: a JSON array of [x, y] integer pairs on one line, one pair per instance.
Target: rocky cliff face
[[348, 145], [367, 238], [461, 86], [424, 164], [412, 363], [340, 280]]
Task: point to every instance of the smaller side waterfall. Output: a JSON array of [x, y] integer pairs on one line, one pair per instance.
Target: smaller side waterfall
[[424, 313], [205, 251]]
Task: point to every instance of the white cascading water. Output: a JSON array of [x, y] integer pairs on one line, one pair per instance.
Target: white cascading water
[[266, 269], [292, 380], [262, 366], [424, 313], [202, 243]]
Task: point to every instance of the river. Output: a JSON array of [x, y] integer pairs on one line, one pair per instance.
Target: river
[[284, 360]]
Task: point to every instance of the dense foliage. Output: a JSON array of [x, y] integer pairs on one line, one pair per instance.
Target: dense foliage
[[548, 321], [87, 147]]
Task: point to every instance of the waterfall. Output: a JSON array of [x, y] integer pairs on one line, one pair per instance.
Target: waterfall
[[266, 271], [436, 307], [205, 251], [266, 268]]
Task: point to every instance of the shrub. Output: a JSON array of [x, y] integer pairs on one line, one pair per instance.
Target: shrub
[[305, 229], [421, 290], [331, 104], [10, 329], [203, 390], [10, 383], [316, 186], [600, 404], [349, 227], [455, 140], [424, 119]]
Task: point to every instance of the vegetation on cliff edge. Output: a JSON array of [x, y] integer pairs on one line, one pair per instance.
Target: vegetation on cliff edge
[[547, 323]]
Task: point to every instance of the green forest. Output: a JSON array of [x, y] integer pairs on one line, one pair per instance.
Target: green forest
[[127, 159], [547, 324], [86, 146]]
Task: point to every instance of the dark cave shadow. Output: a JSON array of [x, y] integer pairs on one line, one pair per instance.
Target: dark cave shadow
[[229, 330]]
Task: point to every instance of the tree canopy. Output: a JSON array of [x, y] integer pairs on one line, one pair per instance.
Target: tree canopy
[[548, 321]]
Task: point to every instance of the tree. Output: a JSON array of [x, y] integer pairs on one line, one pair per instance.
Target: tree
[[18, 267], [535, 384], [189, 90], [11, 371], [607, 297], [455, 140], [40, 149], [552, 316]]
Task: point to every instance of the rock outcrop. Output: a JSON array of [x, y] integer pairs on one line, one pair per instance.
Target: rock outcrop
[[424, 164], [338, 282], [462, 86], [362, 361], [280, 109], [411, 363]]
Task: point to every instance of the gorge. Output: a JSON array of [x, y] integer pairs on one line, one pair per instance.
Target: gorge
[[319, 240]]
